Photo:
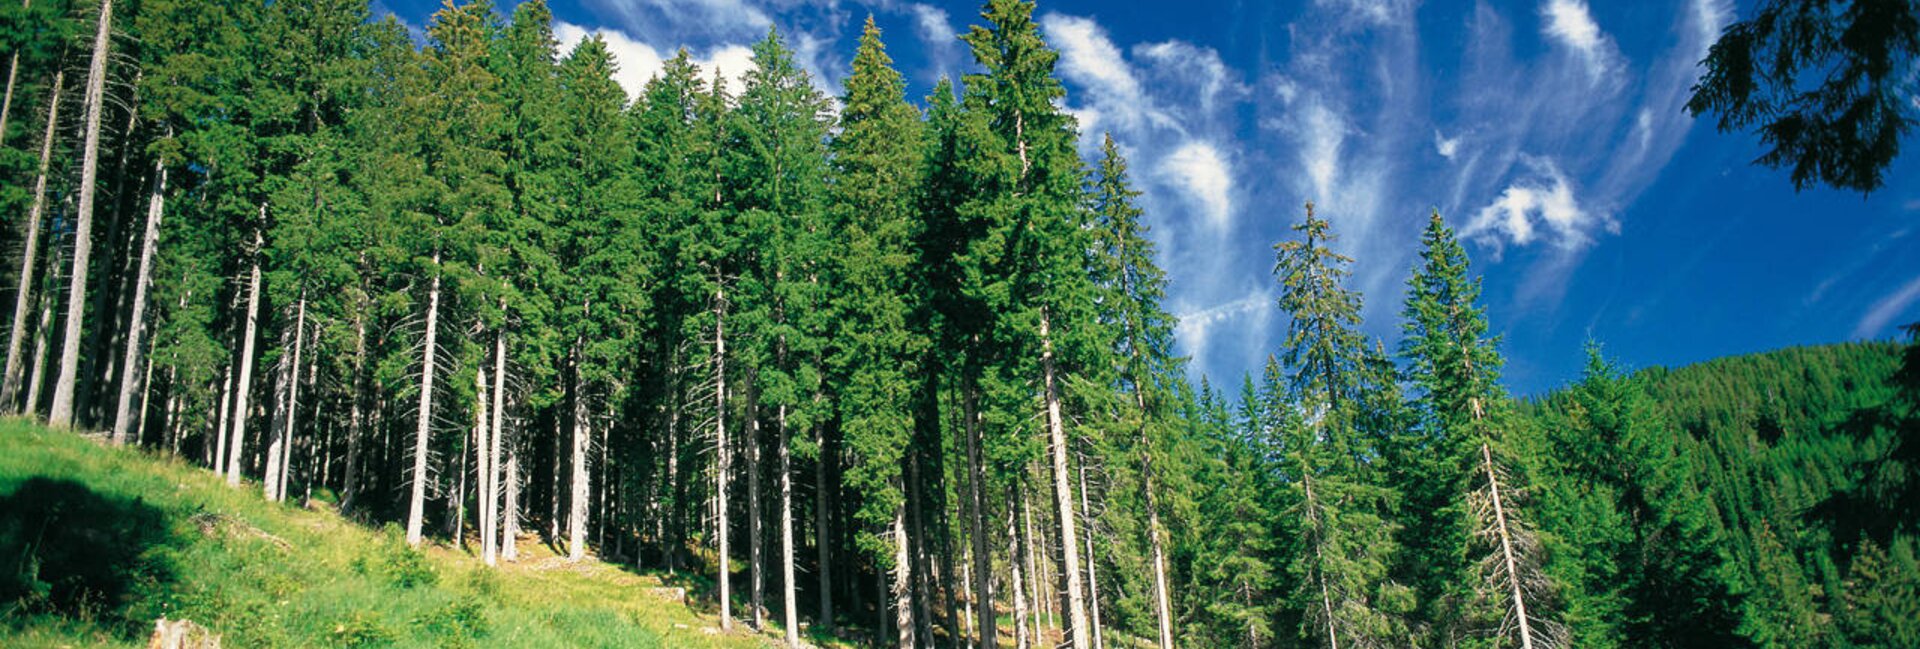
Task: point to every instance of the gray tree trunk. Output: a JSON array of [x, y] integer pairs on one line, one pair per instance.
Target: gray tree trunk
[[1093, 565], [23, 297], [902, 580], [789, 600], [984, 618], [13, 69], [282, 449], [60, 414], [422, 434], [42, 333], [822, 541], [219, 460], [577, 503], [756, 576], [238, 424], [510, 506], [1016, 557], [724, 461], [482, 453], [490, 485], [149, 244], [1062, 490]]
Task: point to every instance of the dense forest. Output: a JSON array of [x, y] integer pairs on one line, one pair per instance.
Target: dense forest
[[891, 369]]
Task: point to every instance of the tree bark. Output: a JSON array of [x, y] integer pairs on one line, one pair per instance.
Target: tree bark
[[490, 511], [42, 335], [789, 601], [1506, 549], [422, 433], [60, 414], [13, 69], [510, 507], [482, 452], [724, 461], [822, 536], [238, 424], [149, 243], [282, 448], [982, 558], [350, 484], [756, 579], [23, 297], [1062, 489], [1093, 570], [904, 623], [219, 460], [579, 488], [1017, 562]]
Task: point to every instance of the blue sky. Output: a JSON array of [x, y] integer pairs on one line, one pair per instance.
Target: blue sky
[[1549, 133]]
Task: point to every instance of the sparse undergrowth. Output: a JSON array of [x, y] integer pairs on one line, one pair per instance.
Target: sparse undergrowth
[[96, 543]]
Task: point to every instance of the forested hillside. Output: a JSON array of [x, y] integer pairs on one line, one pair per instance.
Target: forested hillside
[[894, 370]]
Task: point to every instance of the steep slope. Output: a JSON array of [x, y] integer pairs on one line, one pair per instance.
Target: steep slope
[[96, 543]]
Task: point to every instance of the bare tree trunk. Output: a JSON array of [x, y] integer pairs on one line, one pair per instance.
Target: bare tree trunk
[[916, 546], [579, 492], [510, 507], [1163, 609], [1062, 489], [13, 69], [976, 489], [1507, 553], [42, 334], [238, 425], [61, 412], [490, 484], [755, 580], [482, 450], [725, 461], [23, 298], [422, 433], [1093, 565], [822, 536], [219, 460], [282, 448], [789, 601], [350, 483], [1017, 562], [902, 577], [970, 632], [1036, 600]]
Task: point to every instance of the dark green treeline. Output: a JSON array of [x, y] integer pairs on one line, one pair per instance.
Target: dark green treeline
[[899, 368]]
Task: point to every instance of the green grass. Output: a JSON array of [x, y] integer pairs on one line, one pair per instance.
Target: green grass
[[96, 543]]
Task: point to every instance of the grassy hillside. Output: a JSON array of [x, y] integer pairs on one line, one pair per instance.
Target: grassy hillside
[[95, 543]]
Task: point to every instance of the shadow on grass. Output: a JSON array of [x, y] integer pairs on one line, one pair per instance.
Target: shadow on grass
[[68, 551]]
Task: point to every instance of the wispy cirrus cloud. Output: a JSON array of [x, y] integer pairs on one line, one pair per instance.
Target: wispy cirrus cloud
[[1877, 318]]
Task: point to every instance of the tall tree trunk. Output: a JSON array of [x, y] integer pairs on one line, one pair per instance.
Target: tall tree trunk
[[1017, 562], [510, 506], [350, 483], [238, 424], [482, 452], [422, 433], [755, 576], [982, 558], [1507, 554], [61, 412], [1093, 564], [916, 546], [219, 460], [579, 488], [13, 69], [822, 527], [1062, 489], [23, 297], [490, 484], [904, 623], [1036, 600], [149, 242], [282, 448], [43, 334], [789, 601], [1156, 542], [724, 461]]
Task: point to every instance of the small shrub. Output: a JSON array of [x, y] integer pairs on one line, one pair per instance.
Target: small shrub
[[396, 562], [361, 629], [455, 624]]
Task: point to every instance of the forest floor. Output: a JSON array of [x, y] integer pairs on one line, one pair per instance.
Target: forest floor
[[149, 535]]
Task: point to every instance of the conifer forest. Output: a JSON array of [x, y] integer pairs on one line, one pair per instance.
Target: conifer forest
[[860, 368]]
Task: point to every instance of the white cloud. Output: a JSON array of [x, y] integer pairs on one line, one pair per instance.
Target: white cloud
[[1090, 60], [1445, 146], [1379, 12], [1180, 60], [652, 18], [1545, 199], [1195, 330], [1199, 169], [1323, 133], [639, 62], [1882, 313], [1569, 23]]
